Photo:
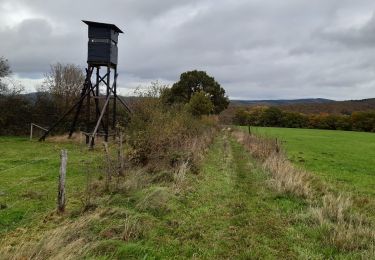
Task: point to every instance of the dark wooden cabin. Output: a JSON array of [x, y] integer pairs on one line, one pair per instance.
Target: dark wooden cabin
[[102, 45]]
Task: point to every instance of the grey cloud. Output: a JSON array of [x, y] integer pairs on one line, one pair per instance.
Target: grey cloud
[[353, 37], [256, 49], [32, 45]]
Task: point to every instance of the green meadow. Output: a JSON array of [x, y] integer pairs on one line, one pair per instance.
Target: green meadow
[[29, 173], [342, 158]]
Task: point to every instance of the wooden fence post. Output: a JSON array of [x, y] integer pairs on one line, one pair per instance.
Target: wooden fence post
[[108, 168], [61, 187], [277, 145], [31, 131], [120, 156], [32, 125]]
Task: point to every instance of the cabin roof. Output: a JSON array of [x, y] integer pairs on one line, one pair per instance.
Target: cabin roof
[[105, 25]]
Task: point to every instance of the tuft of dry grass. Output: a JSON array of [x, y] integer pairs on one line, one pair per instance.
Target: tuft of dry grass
[[334, 208], [179, 176], [346, 230], [260, 148], [68, 241], [351, 236], [286, 178], [155, 200], [137, 179], [133, 229], [74, 238], [77, 137]]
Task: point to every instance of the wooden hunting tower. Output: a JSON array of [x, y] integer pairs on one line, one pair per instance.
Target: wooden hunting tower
[[102, 52]]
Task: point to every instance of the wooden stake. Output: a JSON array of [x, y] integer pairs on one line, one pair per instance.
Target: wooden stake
[[120, 156], [108, 169], [61, 187], [277, 146], [31, 131]]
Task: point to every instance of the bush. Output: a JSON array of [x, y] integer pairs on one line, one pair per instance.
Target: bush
[[160, 135], [15, 115], [200, 104], [241, 117], [271, 117], [363, 121]]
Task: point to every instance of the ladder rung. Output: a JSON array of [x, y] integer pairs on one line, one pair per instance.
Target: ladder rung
[[101, 97]]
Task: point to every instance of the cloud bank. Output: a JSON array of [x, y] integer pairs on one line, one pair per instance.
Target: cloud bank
[[256, 49]]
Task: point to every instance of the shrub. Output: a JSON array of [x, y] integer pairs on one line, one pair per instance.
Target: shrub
[[294, 120], [241, 117], [200, 104], [271, 117], [160, 135]]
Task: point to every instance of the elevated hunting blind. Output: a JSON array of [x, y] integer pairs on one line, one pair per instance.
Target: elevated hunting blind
[[102, 52], [102, 46]]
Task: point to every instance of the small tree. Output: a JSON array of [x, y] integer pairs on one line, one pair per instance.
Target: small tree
[[271, 117], [294, 120], [64, 82], [200, 104], [241, 117]]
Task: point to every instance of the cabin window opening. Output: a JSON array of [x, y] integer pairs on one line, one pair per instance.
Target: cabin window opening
[[94, 40]]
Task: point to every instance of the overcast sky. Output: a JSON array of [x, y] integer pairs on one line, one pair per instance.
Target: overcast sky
[[256, 49]]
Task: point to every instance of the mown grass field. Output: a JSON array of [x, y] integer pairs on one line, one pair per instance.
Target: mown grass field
[[344, 159], [28, 179]]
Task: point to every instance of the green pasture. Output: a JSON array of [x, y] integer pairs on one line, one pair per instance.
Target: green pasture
[[345, 159], [28, 179]]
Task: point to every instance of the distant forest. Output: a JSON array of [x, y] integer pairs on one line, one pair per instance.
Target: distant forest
[[353, 115]]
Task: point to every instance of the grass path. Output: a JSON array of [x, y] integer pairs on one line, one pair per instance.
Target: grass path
[[232, 214]]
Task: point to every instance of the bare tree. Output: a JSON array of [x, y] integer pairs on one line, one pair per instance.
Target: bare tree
[[64, 82], [4, 72]]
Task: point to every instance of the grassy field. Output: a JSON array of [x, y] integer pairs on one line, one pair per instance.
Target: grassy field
[[228, 210], [344, 159], [28, 179]]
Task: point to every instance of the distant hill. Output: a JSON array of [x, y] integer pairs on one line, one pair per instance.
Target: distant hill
[[334, 107], [279, 102], [312, 105]]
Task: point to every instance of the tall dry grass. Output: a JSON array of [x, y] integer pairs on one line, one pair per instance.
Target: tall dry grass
[[63, 242], [284, 176], [345, 229]]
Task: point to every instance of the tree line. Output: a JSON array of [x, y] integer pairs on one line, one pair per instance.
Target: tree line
[[275, 117], [196, 92], [59, 91]]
